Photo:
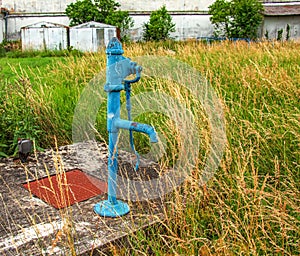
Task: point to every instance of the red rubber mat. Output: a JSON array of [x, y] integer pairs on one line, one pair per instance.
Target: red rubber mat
[[62, 190]]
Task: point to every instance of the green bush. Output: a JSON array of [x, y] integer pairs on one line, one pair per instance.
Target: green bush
[[236, 18], [279, 34], [159, 26], [288, 32]]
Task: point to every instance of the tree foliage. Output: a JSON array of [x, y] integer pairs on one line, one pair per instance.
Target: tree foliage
[[159, 26], [236, 18], [104, 11]]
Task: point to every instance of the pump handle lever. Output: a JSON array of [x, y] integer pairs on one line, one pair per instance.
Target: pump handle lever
[[138, 71]]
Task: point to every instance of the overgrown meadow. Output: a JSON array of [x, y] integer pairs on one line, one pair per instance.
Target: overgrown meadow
[[252, 204]]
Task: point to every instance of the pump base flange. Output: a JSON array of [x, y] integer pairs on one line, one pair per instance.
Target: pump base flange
[[107, 209]]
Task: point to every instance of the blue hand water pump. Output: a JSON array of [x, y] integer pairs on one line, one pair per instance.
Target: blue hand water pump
[[117, 69]]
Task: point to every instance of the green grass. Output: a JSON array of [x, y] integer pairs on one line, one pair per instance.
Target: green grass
[[10, 67], [18, 86], [251, 206], [35, 95]]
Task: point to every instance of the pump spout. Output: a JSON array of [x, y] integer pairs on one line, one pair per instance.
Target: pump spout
[[137, 127]]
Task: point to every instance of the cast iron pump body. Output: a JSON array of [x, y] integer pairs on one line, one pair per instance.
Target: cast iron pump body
[[117, 69]]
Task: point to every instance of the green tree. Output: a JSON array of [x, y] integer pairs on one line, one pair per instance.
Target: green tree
[[236, 18], [220, 17], [159, 26], [105, 11]]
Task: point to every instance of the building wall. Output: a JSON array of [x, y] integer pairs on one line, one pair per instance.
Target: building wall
[[137, 5], [189, 15], [191, 26], [187, 26], [273, 24], [36, 6], [171, 5]]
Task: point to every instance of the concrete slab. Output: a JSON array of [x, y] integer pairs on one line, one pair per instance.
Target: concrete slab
[[29, 226]]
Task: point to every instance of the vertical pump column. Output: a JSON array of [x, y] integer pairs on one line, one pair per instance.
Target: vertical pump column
[[112, 207], [118, 68]]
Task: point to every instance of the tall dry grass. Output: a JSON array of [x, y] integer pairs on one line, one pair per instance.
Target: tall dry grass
[[251, 206]]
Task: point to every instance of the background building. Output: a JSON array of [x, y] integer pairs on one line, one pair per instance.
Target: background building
[[281, 18], [45, 36], [91, 36], [190, 16]]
